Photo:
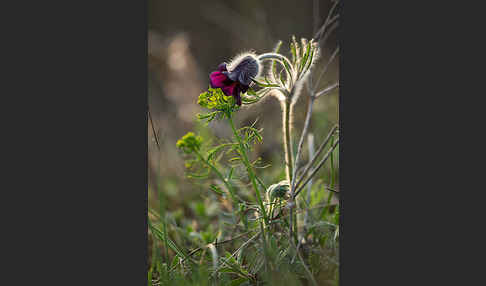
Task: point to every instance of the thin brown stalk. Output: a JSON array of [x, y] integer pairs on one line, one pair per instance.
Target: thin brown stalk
[[216, 243], [302, 137], [321, 30], [336, 51], [312, 279], [314, 171], [318, 153], [239, 248], [327, 89], [153, 129]]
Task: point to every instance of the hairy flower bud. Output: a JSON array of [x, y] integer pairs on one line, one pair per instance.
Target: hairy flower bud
[[278, 190], [235, 78], [244, 68]]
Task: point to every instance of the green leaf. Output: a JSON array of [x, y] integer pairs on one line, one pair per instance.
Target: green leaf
[[336, 216], [246, 100], [274, 63], [159, 234], [265, 84], [214, 98], [262, 92], [282, 80], [250, 91], [208, 116], [311, 59], [174, 261], [230, 175], [306, 55], [294, 48], [150, 276], [303, 45], [227, 270], [238, 281], [289, 70], [197, 176], [216, 189], [216, 149]]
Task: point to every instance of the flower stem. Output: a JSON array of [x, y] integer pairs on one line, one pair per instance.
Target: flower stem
[[287, 115], [287, 138], [249, 169]]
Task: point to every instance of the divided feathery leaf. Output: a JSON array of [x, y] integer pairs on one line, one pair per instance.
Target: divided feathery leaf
[[216, 100], [295, 49], [282, 80], [274, 63], [216, 189], [160, 235], [303, 46], [265, 84], [214, 150], [289, 70], [311, 58], [305, 57]]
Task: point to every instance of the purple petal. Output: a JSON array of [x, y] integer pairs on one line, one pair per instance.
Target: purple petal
[[229, 89], [218, 79], [222, 67]]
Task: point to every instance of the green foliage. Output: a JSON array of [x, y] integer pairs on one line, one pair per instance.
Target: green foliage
[[274, 63], [214, 99], [266, 84], [295, 50], [189, 143]]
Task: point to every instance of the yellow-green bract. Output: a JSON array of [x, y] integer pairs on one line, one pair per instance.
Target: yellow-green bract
[[214, 98], [189, 142]]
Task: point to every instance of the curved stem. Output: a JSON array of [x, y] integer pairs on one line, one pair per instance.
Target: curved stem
[[275, 56], [280, 59]]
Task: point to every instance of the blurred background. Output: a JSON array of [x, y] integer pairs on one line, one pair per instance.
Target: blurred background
[[187, 40]]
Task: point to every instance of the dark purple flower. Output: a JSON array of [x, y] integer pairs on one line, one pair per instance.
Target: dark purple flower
[[236, 81]]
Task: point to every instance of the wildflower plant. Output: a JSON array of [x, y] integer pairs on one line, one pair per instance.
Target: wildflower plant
[[266, 215]]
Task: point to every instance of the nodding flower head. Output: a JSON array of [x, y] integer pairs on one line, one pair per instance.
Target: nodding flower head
[[278, 190], [235, 78]]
